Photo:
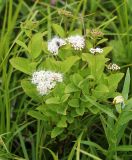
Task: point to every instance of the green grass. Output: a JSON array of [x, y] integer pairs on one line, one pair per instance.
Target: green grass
[[25, 138]]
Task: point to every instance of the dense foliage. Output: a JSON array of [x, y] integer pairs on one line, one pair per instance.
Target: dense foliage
[[84, 48]]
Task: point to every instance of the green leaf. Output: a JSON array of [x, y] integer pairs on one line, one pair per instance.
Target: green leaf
[[118, 108], [77, 78], [36, 45], [88, 45], [94, 109], [71, 155], [20, 43], [70, 119], [102, 108], [113, 80], [31, 90], [100, 91], [124, 148], [51, 64], [64, 98], [46, 112], [61, 66], [89, 155], [36, 114], [107, 50], [52, 153], [75, 32], [23, 65], [128, 104], [78, 146], [61, 109], [73, 112], [86, 83], [80, 110], [102, 41], [74, 103], [68, 63], [62, 123], [96, 64], [93, 144], [53, 100], [125, 117], [56, 131], [59, 90], [52, 107], [101, 88], [126, 86], [44, 47], [71, 88], [58, 30]]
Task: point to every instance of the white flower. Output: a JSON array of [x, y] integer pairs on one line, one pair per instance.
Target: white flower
[[58, 77], [46, 80], [92, 50], [113, 66], [42, 89], [36, 77], [54, 44], [77, 42], [96, 50], [118, 99], [99, 50]]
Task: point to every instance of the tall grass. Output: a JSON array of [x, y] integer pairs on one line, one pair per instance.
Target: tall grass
[[22, 137]]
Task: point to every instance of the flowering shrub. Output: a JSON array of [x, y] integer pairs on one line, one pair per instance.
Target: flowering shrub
[[68, 78], [45, 81]]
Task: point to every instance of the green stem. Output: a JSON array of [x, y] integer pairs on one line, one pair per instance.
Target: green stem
[[127, 65]]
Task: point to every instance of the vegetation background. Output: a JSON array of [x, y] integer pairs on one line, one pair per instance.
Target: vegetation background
[[25, 138]]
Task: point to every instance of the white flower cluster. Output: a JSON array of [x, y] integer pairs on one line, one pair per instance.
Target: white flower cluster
[[77, 42], [55, 44], [113, 67], [46, 80], [96, 50], [118, 100]]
